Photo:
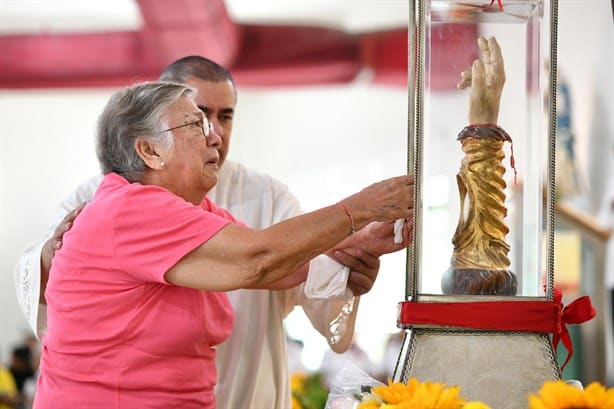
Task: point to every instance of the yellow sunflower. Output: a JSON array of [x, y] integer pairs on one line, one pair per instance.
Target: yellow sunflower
[[559, 395], [597, 396], [415, 395], [370, 404]]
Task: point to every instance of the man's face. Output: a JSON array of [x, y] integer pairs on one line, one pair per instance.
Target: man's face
[[217, 100]]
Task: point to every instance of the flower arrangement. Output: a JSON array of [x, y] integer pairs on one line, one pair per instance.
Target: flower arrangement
[[431, 395], [416, 395], [308, 391], [559, 395]]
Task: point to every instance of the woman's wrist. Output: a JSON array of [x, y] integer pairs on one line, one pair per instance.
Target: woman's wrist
[[349, 216]]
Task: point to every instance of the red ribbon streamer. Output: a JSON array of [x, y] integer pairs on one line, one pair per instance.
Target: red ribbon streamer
[[527, 316], [579, 311], [499, 2]]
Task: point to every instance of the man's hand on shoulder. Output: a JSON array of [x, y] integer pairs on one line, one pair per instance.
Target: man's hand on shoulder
[[52, 245]]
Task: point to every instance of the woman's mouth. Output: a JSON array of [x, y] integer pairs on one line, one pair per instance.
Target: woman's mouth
[[213, 162]]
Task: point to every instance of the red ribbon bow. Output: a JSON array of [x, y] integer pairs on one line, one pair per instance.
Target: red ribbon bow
[[579, 311], [528, 316]]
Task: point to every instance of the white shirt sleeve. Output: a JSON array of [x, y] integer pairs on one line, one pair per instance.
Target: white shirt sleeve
[[27, 272], [332, 317]]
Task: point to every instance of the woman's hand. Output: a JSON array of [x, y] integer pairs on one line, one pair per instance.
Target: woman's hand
[[388, 200]]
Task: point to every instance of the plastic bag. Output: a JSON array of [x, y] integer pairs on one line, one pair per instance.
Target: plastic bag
[[338, 326], [348, 387]]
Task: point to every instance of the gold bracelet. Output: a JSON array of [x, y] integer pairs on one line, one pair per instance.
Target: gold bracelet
[[345, 209]]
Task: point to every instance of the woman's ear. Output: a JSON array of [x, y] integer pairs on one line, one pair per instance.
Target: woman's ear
[[147, 151]]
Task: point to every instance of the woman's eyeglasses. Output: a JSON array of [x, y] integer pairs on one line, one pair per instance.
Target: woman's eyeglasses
[[203, 124]]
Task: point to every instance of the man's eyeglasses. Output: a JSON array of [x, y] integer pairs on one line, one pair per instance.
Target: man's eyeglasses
[[203, 124]]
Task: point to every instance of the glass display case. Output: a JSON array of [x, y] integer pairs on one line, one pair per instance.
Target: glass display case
[[480, 301], [445, 38]]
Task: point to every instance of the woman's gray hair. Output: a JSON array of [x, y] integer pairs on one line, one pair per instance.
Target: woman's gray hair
[[131, 113]]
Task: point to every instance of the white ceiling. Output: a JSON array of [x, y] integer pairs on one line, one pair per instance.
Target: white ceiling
[[36, 16]]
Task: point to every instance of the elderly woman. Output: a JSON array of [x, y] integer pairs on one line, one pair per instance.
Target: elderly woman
[[129, 324]]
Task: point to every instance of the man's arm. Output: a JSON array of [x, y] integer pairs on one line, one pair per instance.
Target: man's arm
[[335, 317], [31, 272]]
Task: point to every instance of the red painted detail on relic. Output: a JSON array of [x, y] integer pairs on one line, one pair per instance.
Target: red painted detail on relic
[[513, 162], [499, 2]]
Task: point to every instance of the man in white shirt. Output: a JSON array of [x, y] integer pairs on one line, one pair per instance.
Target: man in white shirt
[[252, 362]]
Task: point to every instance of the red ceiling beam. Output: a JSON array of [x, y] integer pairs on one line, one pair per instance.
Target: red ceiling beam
[[170, 30], [258, 55], [262, 55], [453, 47], [296, 55]]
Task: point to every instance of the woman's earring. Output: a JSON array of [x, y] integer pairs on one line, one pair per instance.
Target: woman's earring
[[162, 165]]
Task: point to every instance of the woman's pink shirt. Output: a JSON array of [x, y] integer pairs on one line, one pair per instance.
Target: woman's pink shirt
[[120, 336]]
